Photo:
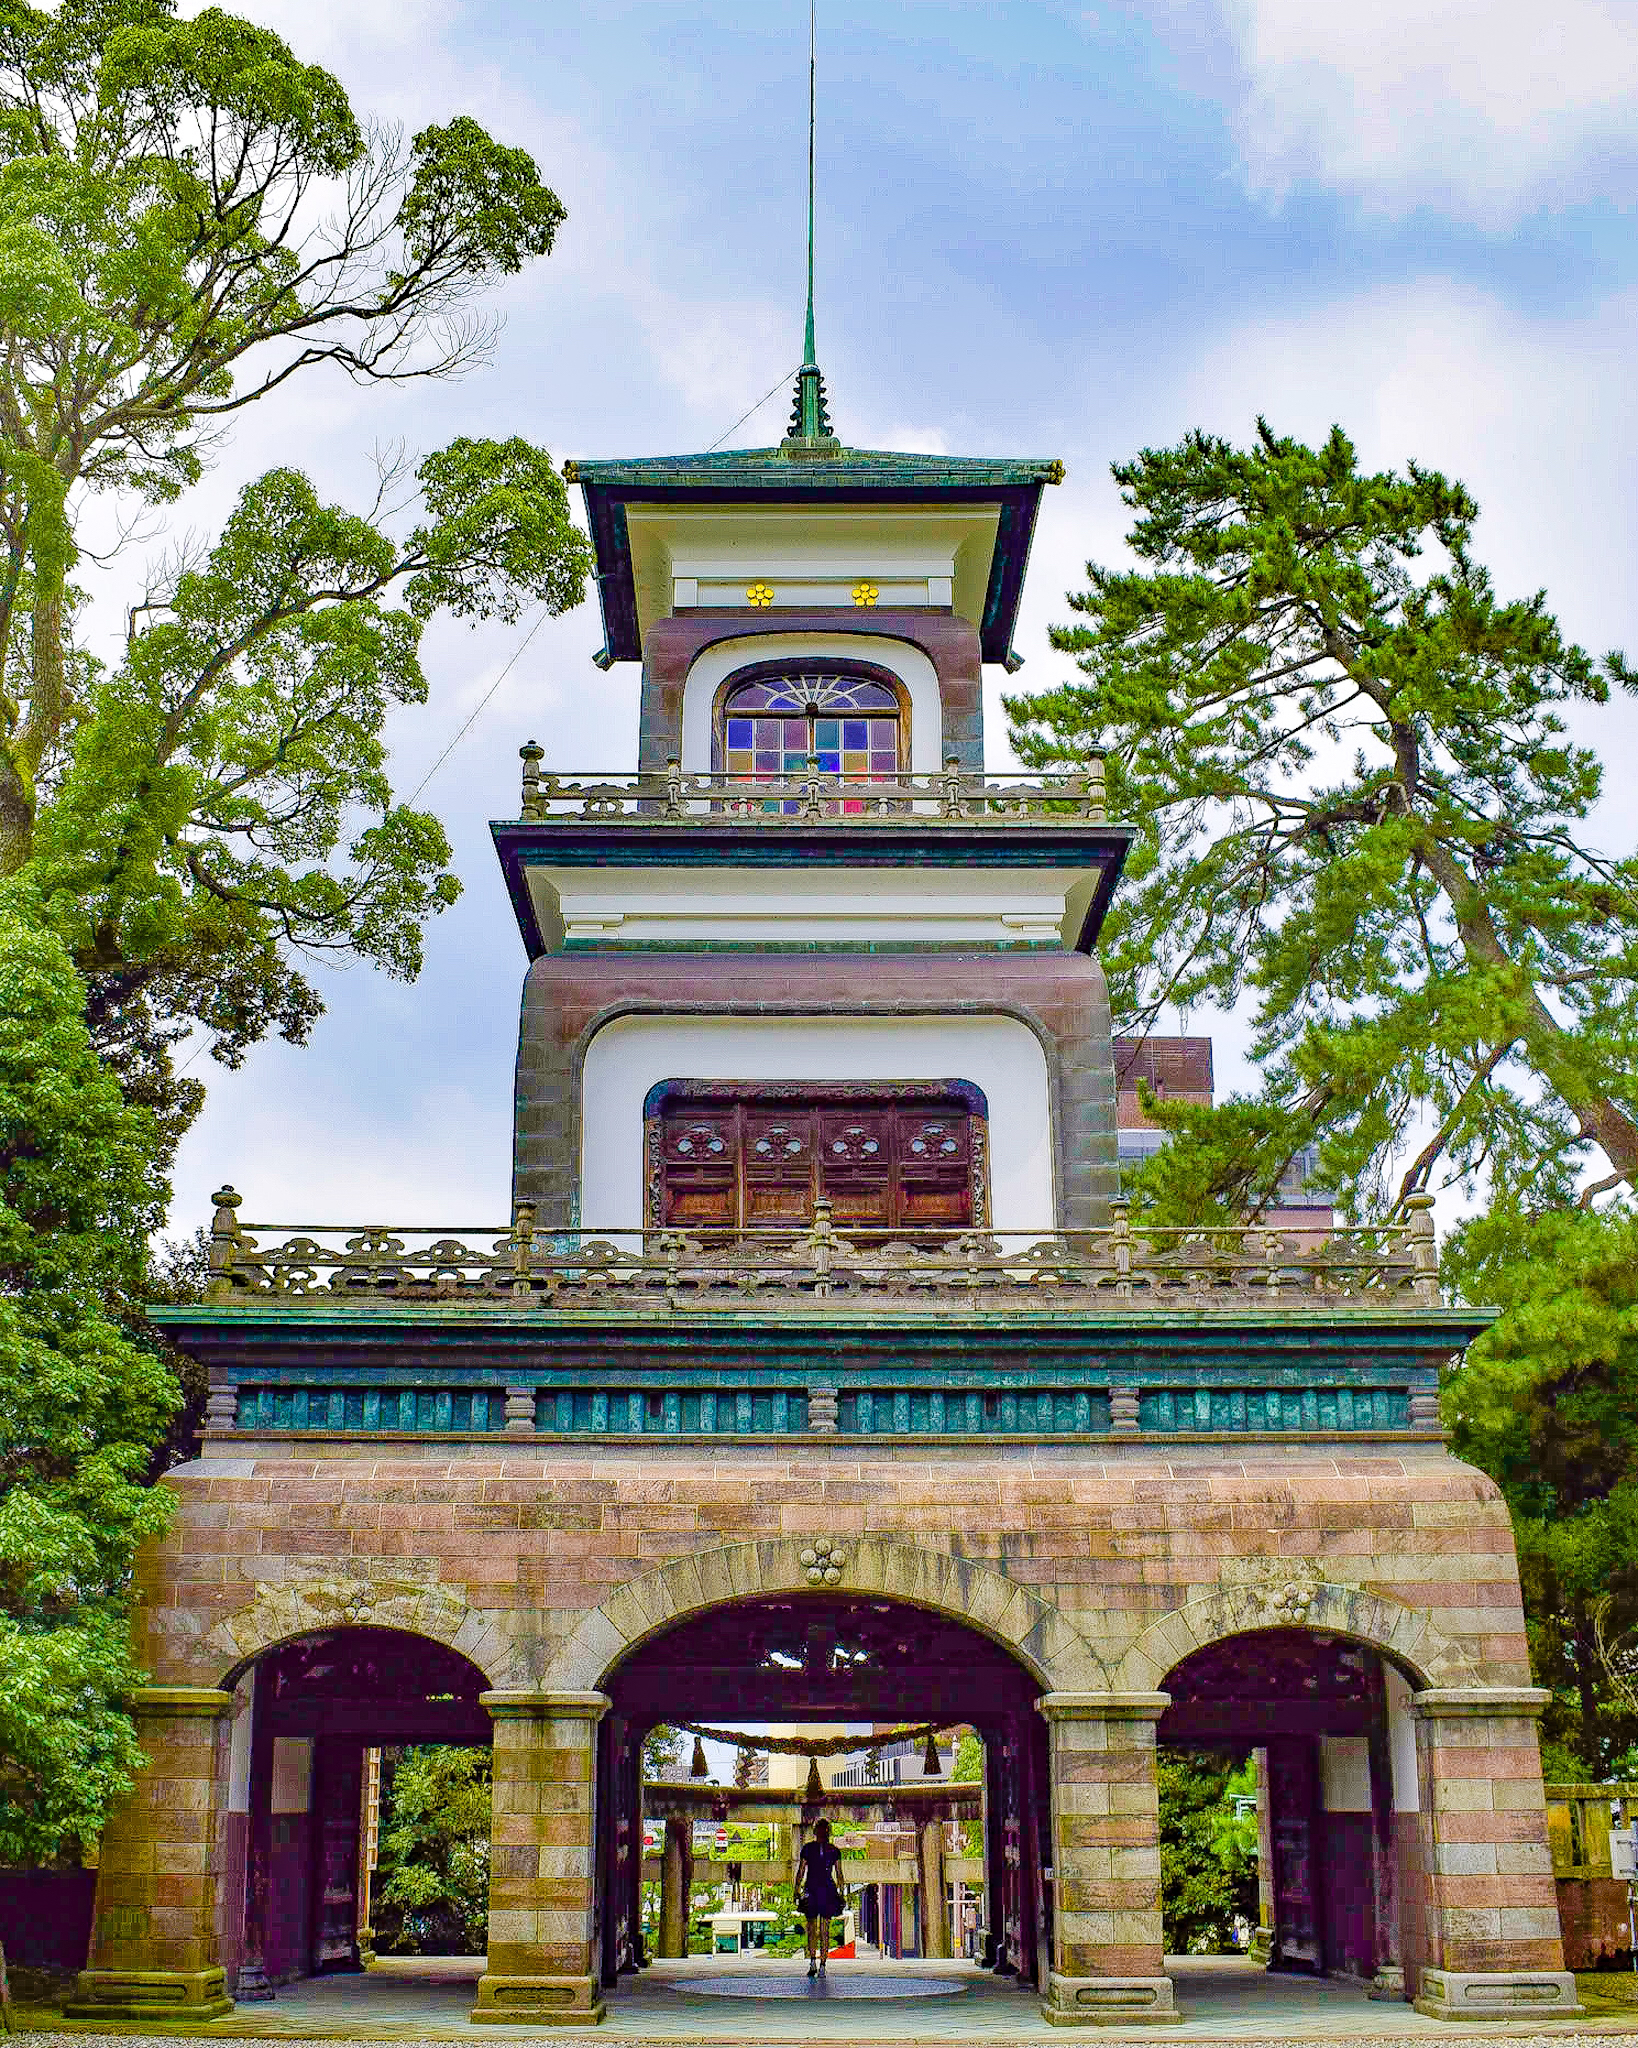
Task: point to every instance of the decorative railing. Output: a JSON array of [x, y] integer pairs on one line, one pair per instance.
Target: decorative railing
[[672, 797], [1124, 1265]]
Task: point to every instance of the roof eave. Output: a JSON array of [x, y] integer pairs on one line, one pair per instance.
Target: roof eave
[[608, 487]]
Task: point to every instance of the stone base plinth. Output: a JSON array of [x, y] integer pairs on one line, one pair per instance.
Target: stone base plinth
[[1498, 1995], [149, 1994], [1388, 1984], [1110, 2002], [538, 2002]]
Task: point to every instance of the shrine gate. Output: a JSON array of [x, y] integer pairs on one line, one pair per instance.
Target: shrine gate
[[818, 1369]]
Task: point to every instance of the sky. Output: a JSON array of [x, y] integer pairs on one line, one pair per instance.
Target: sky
[[1043, 230]]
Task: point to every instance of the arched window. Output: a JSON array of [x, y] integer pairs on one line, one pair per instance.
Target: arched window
[[773, 721]]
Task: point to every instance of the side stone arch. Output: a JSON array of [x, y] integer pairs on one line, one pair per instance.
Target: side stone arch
[[1431, 1659], [306, 1606], [1009, 1614]]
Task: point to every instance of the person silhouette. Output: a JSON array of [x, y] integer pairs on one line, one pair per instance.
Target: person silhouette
[[818, 1896]]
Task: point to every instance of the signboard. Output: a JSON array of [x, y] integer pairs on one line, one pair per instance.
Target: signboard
[[1623, 1856], [722, 1838]]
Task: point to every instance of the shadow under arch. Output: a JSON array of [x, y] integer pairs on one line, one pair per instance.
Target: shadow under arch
[[281, 1613], [1404, 1636], [1017, 1620]]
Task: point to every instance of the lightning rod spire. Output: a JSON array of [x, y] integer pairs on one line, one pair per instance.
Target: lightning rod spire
[[810, 432], [813, 72]]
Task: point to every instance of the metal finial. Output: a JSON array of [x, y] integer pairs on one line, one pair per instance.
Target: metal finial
[[808, 355], [810, 432]]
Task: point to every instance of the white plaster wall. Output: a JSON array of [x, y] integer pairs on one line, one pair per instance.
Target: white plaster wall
[[909, 664], [244, 1702], [998, 1054], [903, 905], [1401, 1741], [1345, 1773]]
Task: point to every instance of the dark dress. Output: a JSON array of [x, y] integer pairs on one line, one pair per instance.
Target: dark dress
[[816, 1889]]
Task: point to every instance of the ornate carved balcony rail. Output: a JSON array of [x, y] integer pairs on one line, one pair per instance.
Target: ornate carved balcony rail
[[674, 798], [1126, 1265]]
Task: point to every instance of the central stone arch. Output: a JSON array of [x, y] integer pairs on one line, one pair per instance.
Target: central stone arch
[[996, 1606], [1294, 1599]]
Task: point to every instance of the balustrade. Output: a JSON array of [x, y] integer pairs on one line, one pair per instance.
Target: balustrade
[[1125, 1265]]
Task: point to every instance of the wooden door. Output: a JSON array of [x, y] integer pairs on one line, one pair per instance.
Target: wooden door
[[882, 1163], [338, 1771], [1293, 1804]]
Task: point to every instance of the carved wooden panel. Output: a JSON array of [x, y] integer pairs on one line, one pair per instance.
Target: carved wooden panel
[[884, 1157]]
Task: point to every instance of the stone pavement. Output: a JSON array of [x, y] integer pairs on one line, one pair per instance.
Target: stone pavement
[[703, 2002]]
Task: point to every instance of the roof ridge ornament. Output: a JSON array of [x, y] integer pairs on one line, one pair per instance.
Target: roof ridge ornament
[[809, 433]]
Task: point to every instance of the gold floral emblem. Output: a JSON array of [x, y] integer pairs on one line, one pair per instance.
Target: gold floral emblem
[[761, 595], [865, 594]]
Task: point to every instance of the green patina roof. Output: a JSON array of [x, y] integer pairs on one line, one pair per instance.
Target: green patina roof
[[755, 469], [811, 469]]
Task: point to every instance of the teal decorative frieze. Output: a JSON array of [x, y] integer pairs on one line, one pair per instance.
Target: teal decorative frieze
[[360, 1410], [1215, 1409], [918, 1411], [671, 1411]]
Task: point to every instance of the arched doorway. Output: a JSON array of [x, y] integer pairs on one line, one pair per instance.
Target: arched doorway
[[1325, 1717], [311, 1712], [853, 1658]]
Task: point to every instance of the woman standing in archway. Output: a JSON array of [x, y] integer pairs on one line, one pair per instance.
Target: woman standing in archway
[[818, 1896]]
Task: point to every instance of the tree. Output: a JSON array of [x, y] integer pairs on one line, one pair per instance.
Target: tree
[[1546, 1401], [1357, 803], [434, 1894], [662, 1753], [1208, 1857], [188, 853], [82, 1404], [190, 218]]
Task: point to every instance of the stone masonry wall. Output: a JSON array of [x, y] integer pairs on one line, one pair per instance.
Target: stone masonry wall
[[1101, 1566]]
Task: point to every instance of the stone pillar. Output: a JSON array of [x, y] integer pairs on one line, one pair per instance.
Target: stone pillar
[[676, 1882], [1492, 1904], [1107, 1953], [1388, 1977], [542, 1880], [1262, 1935], [935, 1920], [154, 1936]]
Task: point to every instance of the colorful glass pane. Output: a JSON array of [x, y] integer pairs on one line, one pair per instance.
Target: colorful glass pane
[[775, 728]]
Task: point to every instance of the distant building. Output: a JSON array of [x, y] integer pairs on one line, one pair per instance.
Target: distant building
[[1180, 1070]]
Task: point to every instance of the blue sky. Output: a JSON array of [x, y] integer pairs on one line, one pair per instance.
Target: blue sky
[[1043, 230]]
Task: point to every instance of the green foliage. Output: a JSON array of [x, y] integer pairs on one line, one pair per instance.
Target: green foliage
[[82, 1405], [189, 216], [1547, 1403], [1208, 1858], [1357, 802], [432, 1895], [663, 1752]]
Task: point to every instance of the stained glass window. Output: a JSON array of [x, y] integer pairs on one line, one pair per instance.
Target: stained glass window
[[850, 723]]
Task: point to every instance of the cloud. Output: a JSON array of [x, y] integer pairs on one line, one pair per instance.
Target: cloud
[[1482, 109]]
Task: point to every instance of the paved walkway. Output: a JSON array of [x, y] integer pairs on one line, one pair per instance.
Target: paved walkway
[[705, 2002]]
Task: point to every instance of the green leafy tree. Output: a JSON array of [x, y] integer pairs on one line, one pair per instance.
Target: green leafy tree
[[663, 1752], [433, 1895], [82, 1403], [1208, 1857], [1358, 805], [1547, 1402], [190, 218]]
